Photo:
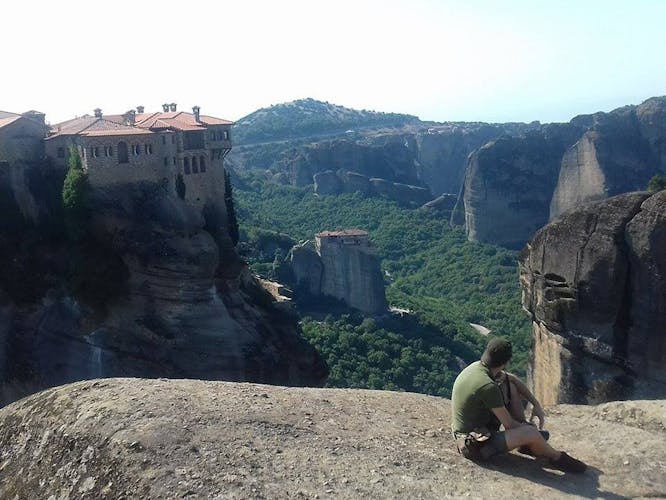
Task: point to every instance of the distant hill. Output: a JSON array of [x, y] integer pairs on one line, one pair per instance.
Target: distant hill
[[306, 117]]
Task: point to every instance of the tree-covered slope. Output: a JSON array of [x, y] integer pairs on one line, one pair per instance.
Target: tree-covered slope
[[430, 269]]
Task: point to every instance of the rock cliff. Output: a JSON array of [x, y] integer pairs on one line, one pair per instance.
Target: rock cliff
[[180, 303], [132, 438], [330, 182], [539, 176], [347, 272], [594, 283], [505, 196]]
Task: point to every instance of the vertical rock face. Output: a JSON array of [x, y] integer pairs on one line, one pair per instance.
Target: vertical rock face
[[527, 181], [186, 308], [594, 283], [341, 268], [505, 195], [620, 153]]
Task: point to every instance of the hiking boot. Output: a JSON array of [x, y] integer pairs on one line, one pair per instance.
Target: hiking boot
[[525, 450], [568, 464]]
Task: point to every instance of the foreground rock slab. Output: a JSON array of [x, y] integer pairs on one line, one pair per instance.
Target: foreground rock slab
[[137, 438]]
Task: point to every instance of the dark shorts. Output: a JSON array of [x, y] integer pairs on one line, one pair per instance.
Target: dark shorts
[[483, 448]]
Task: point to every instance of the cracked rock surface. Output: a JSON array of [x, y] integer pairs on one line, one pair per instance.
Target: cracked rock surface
[[140, 438], [594, 283]]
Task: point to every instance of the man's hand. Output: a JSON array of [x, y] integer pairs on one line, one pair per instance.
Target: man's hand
[[537, 412]]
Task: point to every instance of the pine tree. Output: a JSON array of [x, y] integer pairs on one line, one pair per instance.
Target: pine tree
[[231, 211], [657, 183], [180, 187]]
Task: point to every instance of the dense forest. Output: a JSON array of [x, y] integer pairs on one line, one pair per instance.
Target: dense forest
[[430, 270]]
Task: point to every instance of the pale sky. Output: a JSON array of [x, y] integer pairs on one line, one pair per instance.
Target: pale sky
[[440, 60]]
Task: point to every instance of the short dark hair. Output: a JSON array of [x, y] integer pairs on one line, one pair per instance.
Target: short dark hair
[[498, 352]]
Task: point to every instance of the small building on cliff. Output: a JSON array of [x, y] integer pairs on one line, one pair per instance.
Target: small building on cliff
[[343, 265], [21, 137], [153, 146]]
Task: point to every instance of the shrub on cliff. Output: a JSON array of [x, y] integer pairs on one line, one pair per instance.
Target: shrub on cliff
[[657, 183], [76, 198], [231, 210]]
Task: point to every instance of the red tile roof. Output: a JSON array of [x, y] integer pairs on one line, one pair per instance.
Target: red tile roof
[[117, 131], [6, 121], [174, 120]]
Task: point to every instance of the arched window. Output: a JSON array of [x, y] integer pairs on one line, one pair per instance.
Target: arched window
[[122, 152], [186, 164], [195, 165], [202, 164]]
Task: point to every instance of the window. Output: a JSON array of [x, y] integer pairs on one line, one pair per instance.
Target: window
[[94, 152], [173, 139], [61, 152], [122, 152], [226, 135], [164, 139], [166, 161], [195, 165], [186, 165], [110, 150], [136, 149], [174, 160], [202, 164], [193, 139], [148, 149]]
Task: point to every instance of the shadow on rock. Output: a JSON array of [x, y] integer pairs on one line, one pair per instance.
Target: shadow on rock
[[586, 484]]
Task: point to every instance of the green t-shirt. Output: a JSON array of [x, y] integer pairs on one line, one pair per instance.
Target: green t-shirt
[[475, 393]]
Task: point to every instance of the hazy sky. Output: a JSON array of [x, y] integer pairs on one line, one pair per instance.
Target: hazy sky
[[441, 60]]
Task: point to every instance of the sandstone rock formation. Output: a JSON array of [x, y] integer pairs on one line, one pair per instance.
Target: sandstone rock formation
[[506, 192], [330, 182], [523, 183], [594, 283], [620, 153], [186, 307], [132, 438], [348, 271]]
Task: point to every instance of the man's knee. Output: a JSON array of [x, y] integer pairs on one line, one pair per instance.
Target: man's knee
[[518, 436]]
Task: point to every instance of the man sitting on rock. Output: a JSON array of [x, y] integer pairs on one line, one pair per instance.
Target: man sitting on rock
[[485, 397]]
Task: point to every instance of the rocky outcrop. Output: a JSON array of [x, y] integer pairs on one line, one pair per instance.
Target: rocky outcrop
[[506, 192], [183, 306], [621, 152], [347, 272], [591, 158], [594, 283], [330, 182], [133, 438]]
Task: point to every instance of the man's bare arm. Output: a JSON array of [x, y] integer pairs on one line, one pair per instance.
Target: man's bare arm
[[537, 410], [505, 418]]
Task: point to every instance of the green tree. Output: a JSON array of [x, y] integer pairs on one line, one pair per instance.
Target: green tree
[[231, 211], [180, 187], [76, 198], [657, 183]]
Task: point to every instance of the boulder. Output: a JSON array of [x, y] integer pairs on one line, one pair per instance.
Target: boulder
[[594, 284]]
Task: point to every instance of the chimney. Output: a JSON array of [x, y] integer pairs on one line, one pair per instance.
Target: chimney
[[165, 107], [130, 117], [196, 110], [98, 113], [172, 106], [140, 109]]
